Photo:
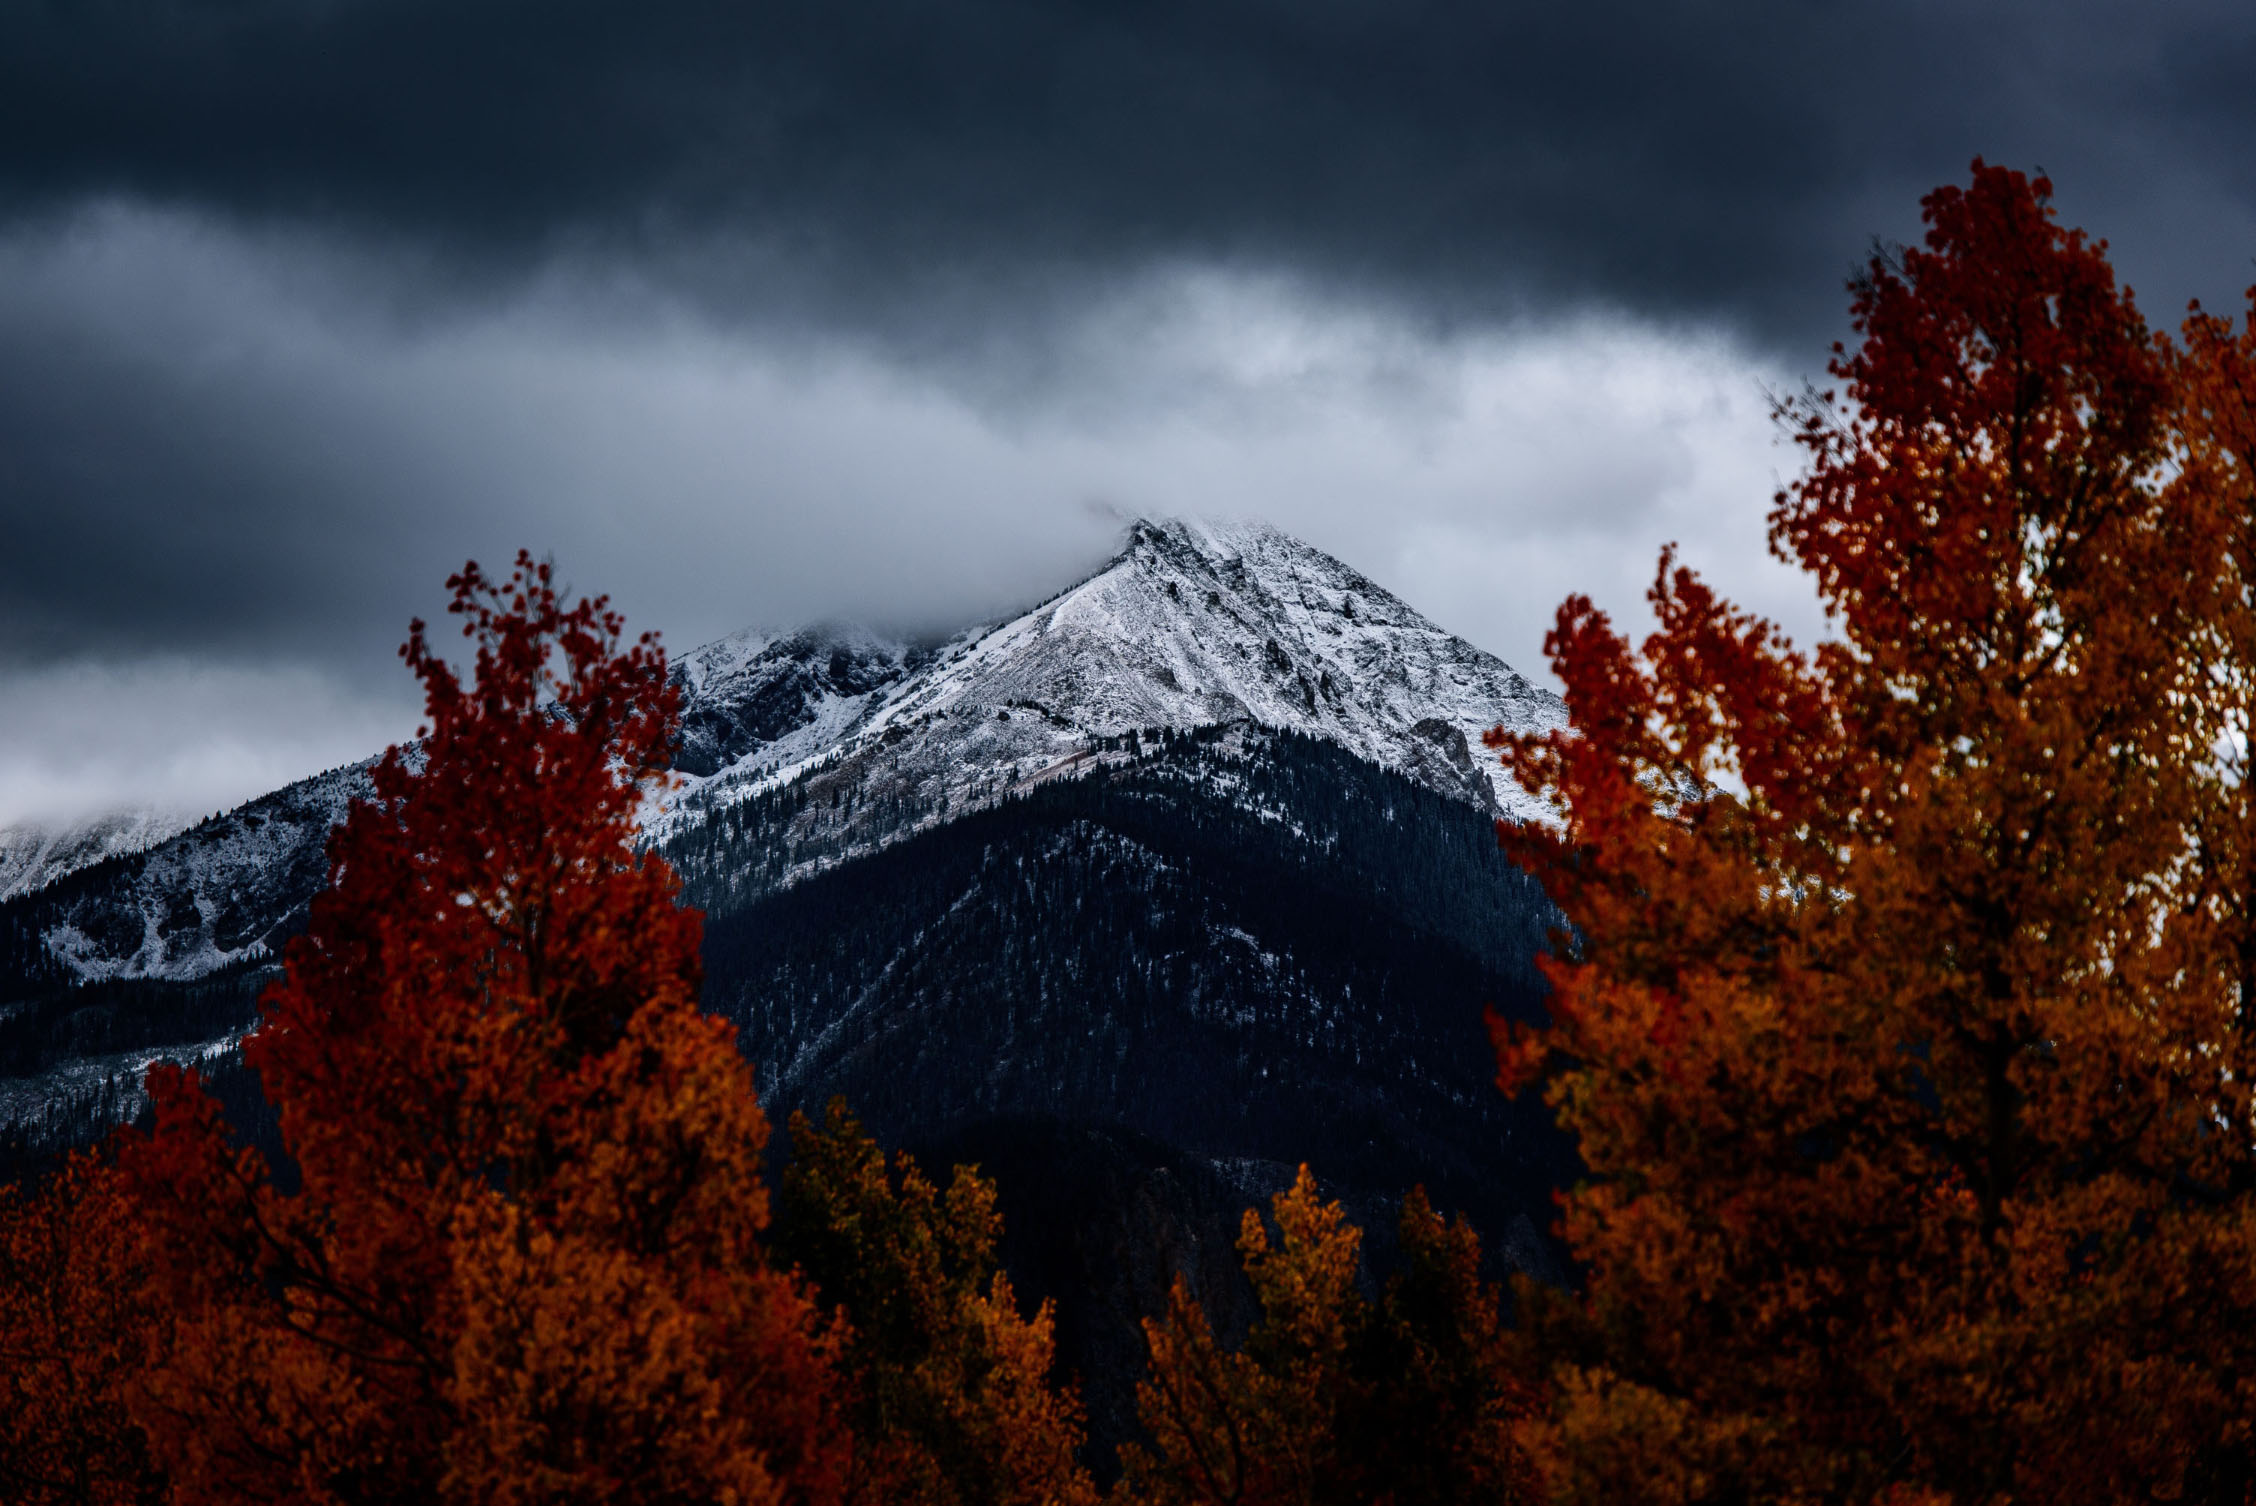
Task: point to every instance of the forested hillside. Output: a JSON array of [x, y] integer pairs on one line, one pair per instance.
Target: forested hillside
[[1207, 958]]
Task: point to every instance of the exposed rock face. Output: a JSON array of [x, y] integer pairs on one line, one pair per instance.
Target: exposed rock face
[[1189, 625], [749, 691]]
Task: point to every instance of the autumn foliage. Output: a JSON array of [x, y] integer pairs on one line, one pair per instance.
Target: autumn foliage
[[952, 1389], [76, 1323], [1904, 1017], [517, 1246], [517, 1242], [1907, 1014], [1409, 1401], [515, 1252]]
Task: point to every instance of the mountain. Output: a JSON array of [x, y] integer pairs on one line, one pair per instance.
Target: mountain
[[1214, 954], [1189, 625], [218, 895], [35, 854], [1140, 898]]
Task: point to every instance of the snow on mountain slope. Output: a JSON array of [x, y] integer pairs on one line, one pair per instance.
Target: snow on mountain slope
[[32, 855], [750, 691], [1189, 625], [224, 891]]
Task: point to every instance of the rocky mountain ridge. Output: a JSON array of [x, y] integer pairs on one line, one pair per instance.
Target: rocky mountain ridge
[[1190, 624], [1140, 898], [35, 854]]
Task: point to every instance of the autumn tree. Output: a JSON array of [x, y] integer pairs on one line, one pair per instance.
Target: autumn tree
[[1903, 1019], [76, 1323], [951, 1385], [515, 1252], [1409, 1401]]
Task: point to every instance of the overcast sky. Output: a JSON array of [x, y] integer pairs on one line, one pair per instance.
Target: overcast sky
[[751, 313]]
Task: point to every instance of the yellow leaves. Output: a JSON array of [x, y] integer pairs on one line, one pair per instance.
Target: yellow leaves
[[952, 1391], [1034, 1426], [1202, 1409], [1306, 1282], [1334, 1398]]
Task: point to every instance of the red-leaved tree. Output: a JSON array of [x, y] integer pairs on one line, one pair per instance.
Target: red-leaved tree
[[77, 1321], [1906, 1021], [515, 1251]]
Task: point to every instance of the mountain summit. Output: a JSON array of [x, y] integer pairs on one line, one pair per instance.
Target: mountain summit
[[1140, 899], [1189, 625]]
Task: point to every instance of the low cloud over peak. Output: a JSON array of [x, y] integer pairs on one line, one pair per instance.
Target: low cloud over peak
[[761, 313]]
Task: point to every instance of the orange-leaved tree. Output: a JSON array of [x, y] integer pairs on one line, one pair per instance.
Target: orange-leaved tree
[[951, 1390], [77, 1322], [1410, 1401], [1905, 1014], [515, 1250]]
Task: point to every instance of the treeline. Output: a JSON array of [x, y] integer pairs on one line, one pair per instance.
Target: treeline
[[1907, 1041], [1278, 952], [941, 1386], [513, 1238]]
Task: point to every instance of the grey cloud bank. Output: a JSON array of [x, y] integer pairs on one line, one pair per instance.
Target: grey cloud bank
[[287, 472], [174, 738], [752, 314]]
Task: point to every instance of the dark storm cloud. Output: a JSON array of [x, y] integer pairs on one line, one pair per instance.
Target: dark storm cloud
[[752, 312], [903, 163], [229, 445], [150, 497]]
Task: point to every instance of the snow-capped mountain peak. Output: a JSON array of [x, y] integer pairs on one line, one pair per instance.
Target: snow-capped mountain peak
[[1190, 624]]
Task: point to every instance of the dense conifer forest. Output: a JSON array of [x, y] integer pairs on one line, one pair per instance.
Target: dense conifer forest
[[1170, 978]]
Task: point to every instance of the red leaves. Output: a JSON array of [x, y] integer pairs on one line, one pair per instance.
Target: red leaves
[[522, 1257], [2007, 396], [77, 1325], [1523, 1052], [1909, 980], [519, 1250]]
